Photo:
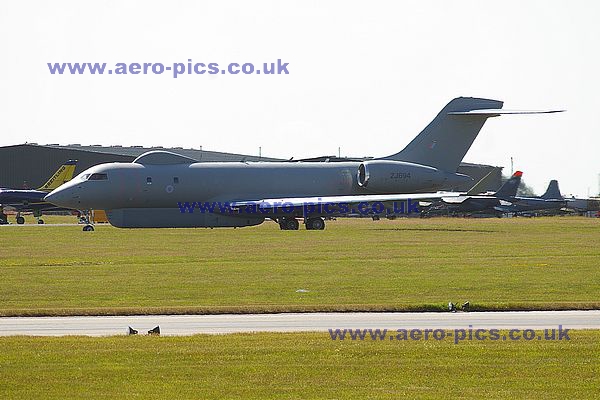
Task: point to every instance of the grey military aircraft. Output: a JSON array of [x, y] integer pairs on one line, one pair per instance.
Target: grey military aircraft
[[475, 202], [550, 200], [162, 189], [505, 200]]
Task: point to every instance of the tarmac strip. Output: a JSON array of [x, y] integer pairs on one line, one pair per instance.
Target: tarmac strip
[[294, 322]]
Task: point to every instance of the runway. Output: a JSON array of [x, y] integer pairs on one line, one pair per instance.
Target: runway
[[294, 322]]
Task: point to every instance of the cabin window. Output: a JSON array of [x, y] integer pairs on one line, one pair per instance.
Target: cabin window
[[98, 177], [148, 181], [175, 180]]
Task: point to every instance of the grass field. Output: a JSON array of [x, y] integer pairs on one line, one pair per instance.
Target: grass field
[[416, 264], [244, 366]]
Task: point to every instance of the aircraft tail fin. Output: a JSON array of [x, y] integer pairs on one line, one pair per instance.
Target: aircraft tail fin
[[62, 175], [483, 183], [445, 141], [553, 192], [510, 187]]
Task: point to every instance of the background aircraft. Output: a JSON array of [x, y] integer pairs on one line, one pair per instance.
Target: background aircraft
[[550, 200], [473, 202], [149, 191], [505, 200], [33, 200]]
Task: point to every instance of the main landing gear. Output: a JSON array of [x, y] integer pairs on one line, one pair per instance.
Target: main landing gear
[[315, 224], [292, 224], [288, 224]]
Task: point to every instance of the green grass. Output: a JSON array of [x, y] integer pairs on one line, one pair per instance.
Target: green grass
[[416, 264], [245, 366]]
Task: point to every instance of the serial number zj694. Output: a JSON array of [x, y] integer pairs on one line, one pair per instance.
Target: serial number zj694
[[400, 175]]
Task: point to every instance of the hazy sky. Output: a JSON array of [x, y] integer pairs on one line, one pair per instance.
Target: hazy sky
[[364, 76]]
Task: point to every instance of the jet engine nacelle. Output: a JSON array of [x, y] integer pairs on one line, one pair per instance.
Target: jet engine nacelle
[[382, 176]]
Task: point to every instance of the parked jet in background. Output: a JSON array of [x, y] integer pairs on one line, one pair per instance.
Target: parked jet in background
[[505, 200], [484, 203], [33, 200], [550, 200], [150, 191]]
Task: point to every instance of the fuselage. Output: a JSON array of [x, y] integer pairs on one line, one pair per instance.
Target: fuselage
[[135, 185], [499, 204], [25, 200], [18, 196], [521, 204]]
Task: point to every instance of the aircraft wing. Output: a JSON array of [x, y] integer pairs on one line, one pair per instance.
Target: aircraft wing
[[351, 199], [455, 199], [505, 206], [459, 198], [349, 205]]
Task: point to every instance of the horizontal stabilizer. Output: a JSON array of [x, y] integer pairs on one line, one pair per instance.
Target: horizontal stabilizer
[[495, 113]]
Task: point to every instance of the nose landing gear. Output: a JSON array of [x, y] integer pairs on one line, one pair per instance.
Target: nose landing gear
[[84, 218]]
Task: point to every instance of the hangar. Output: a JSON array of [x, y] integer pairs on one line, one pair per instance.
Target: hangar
[[26, 166]]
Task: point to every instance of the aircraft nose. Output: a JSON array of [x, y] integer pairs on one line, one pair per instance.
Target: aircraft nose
[[62, 197]]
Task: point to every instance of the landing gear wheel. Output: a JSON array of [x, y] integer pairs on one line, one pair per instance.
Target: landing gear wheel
[[20, 220], [41, 221], [289, 224], [88, 228], [315, 224]]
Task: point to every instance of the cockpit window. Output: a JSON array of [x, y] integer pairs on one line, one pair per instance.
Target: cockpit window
[[98, 177], [85, 177]]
